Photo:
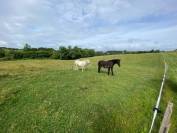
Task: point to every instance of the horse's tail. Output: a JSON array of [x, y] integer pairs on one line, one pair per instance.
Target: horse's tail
[[119, 62]]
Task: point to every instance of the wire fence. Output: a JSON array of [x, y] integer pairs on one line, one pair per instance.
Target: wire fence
[[156, 109]]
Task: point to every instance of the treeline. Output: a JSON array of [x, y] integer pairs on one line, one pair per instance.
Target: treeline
[[63, 53], [126, 52], [68, 53]]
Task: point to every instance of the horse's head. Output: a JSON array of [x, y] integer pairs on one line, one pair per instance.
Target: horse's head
[[88, 61], [77, 60], [117, 61]]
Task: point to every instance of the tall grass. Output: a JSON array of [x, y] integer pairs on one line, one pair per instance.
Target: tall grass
[[170, 89], [48, 96]]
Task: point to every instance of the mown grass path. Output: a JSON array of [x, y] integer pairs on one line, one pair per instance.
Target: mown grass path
[[48, 96]]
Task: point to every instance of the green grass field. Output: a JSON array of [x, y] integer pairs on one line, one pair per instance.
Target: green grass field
[[48, 96]]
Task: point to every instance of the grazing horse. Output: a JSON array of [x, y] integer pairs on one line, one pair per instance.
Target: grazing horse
[[81, 64], [108, 64]]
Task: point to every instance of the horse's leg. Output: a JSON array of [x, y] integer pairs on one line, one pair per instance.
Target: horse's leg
[[76, 67], [112, 70], [99, 68], [108, 70]]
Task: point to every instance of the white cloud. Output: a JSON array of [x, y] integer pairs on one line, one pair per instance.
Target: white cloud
[[105, 24], [3, 43]]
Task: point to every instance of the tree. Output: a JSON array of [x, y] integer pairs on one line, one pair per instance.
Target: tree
[[27, 47], [75, 52], [2, 52], [63, 52], [55, 54]]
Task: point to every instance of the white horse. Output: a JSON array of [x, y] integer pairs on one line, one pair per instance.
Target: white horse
[[81, 64]]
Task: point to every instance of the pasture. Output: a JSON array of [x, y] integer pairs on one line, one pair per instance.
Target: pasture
[[48, 96]]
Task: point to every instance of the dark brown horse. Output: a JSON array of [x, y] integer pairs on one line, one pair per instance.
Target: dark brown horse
[[108, 64]]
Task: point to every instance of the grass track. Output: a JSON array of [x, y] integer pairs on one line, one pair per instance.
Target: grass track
[[48, 96]]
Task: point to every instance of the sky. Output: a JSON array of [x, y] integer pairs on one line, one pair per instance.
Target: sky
[[97, 24]]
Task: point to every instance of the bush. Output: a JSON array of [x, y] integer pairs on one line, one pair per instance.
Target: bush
[[18, 55], [43, 54], [2, 53], [75, 53], [29, 54], [6, 58], [55, 55], [64, 53]]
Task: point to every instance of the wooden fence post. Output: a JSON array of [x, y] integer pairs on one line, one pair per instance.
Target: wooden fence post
[[165, 125]]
